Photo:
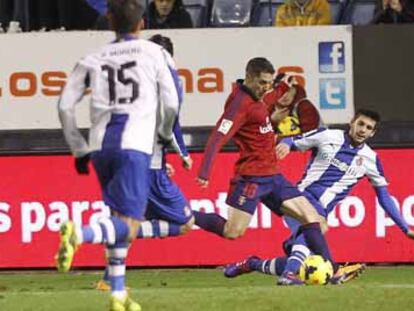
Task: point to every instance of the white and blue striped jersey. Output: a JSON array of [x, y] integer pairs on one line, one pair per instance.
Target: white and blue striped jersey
[[336, 166], [158, 155], [130, 81]]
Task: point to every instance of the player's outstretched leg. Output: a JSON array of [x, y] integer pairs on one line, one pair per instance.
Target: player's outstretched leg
[[67, 248], [347, 273], [242, 267], [273, 266]]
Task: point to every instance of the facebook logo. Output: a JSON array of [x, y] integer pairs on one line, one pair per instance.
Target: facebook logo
[[332, 93], [331, 57]]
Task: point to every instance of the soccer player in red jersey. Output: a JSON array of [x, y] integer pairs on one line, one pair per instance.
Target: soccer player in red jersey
[[246, 119]]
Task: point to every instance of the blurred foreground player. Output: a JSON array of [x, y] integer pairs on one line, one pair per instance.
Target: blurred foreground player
[[130, 82], [168, 212]]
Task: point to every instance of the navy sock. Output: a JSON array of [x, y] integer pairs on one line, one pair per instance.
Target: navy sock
[[274, 266], [296, 258], [210, 222], [316, 241]]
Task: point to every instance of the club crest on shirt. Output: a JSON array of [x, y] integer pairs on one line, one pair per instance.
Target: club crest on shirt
[[241, 200], [225, 126], [359, 161]]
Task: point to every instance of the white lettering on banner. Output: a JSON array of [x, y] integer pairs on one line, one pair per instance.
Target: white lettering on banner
[[60, 214], [5, 220], [31, 224], [407, 211], [77, 209], [352, 203], [383, 220], [100, 211], [343, 209], [34, 217], [221, 204]]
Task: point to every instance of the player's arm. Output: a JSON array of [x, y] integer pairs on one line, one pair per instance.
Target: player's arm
[[388, 204], [308, 115], [178, 140], [232, 119], [301, 142], [169, 100], [179, 146], [376, 177], [72, 94]]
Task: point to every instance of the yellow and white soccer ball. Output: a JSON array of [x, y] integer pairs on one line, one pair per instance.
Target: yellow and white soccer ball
[[289, 126], [316, 270]]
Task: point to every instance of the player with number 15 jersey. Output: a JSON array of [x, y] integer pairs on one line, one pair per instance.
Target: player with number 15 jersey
[[125, 77]]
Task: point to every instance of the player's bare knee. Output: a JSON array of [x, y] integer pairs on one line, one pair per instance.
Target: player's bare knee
[[233, 233], [187, 226]]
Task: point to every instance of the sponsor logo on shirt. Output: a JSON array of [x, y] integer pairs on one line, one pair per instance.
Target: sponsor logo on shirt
[[342, 166], [225, 126], [267, 128]]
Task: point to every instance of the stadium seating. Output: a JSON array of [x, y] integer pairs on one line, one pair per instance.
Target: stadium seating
[[231, 13], [264, 12], [359, 12], [198, 10], [337, 10]]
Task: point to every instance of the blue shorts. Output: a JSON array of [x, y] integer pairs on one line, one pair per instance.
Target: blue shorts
[[247, 191], [165, 200], [123, 175]]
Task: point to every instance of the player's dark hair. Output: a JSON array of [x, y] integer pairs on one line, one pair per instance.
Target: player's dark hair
[[370, 114], [165, 42], [259, 65], [126, 15]]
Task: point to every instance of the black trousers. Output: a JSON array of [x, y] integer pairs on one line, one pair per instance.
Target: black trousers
[[71, 14], [6, 12]]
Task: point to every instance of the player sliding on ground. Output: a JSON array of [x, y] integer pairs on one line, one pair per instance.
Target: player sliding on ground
[[130, 81], [340, 159], [246, 119]]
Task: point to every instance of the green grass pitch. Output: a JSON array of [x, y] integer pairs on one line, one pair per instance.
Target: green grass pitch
[[379, 288]]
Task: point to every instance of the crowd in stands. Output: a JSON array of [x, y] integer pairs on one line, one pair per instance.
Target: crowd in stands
[[47, 15]]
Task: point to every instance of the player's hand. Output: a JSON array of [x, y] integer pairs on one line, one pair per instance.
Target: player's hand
[[81, 164], [282, 150], [203, 183], [279, 113], [187, 162], [410, 234], [169, 169]]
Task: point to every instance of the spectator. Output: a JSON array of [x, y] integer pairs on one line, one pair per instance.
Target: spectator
[[394, 12], [303, 13], [163, 14], [293, 112], [6, 13], [65, 14]]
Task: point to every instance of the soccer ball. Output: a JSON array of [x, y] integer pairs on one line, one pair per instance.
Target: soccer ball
[[316, 270]]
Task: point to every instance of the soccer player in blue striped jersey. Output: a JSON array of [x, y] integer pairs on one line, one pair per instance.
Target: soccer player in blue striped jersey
[[339, 160], [131, 87], [168, 212]]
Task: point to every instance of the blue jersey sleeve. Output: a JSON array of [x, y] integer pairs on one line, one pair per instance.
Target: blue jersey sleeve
[[178, 136], [388, 205]]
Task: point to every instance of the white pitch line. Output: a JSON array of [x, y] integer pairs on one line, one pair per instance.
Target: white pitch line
[[397, 285]]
